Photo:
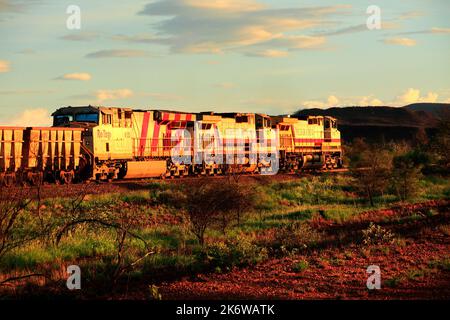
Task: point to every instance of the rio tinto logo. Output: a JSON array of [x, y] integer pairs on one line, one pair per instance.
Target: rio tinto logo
[[104, 134], [235, 146]]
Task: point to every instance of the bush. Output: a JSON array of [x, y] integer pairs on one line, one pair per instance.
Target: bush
[[406, 174], [300, 266], [375, 235], [239, 251], [297, 236]]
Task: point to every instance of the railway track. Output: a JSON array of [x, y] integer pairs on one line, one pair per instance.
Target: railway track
[[280, 176], [47, 191]]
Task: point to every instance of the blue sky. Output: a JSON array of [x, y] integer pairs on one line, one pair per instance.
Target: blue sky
[[221, 55]]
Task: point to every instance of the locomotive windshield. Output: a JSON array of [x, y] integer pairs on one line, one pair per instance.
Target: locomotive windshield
[[66, 119], [62, 120], [87, 117]]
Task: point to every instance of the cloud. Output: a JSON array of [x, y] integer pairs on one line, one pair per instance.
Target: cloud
[[332, 101], [434, 30], [370, 101], [30, 117], [104, 95], [118, 54], [13, 6], [413, 96], [226, 5], [270, 53], [4, 66], [407, 42], [409, 96], [76, 76], [440, 30], [81, 36], [347, 30], [247, 26]]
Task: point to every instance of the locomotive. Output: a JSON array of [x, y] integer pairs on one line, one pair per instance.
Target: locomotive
[[107, 143]]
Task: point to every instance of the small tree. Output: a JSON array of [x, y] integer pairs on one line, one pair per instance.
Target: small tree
[[406, 174], [441, 143], [210, 202], [371, 168]]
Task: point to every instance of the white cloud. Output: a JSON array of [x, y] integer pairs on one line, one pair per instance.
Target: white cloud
[[226, 5], [413, 96], [440, 30], [103, 95], [245, 26], [4, 66], [270, 53], [407, 42], [370, 101], [31, 117], [332, 101], [76, 76]]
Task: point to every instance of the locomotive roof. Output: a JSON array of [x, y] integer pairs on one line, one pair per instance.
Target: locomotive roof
[[84, 109], [75, 110]]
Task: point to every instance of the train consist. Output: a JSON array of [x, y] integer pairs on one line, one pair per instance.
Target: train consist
[[105, 143]]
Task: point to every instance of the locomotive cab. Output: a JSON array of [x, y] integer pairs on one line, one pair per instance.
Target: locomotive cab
[[76, 116]]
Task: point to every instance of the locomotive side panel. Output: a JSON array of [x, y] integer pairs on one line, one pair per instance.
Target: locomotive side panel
[[111, 138]]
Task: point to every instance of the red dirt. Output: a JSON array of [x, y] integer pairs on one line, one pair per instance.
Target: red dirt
[[339, 271]]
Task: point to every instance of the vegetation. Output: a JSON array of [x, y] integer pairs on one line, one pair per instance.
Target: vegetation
[[167, 230]]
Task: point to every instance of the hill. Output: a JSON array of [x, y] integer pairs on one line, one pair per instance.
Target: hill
[[385, 123], [439, 110]]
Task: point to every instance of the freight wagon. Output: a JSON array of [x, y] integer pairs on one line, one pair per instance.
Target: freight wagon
[[33, 154]]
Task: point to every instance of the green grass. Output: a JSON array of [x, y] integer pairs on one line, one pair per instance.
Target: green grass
[[176, 250]]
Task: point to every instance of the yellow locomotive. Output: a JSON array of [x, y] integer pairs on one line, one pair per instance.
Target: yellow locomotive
[[106, 143]]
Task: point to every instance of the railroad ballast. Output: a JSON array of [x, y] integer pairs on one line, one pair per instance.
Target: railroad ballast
[[106, 143]]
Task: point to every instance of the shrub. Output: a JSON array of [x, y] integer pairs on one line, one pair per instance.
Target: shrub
[[300, 266], [406, 174], [375, 235], [208, 202], [297, 236], [239, 251]]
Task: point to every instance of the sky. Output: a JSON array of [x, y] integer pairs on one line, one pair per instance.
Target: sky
[[266, 56]]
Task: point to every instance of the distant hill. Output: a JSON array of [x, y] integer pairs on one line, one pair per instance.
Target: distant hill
[[385, 123], [439, 110]]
